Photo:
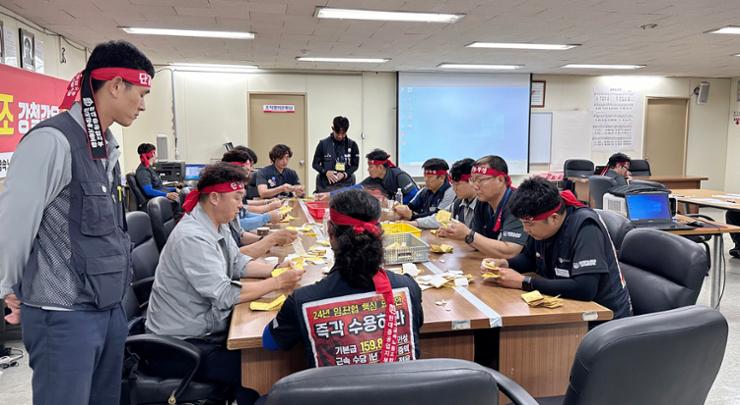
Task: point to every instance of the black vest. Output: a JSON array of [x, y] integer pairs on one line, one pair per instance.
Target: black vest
[[429, 201], [329, 160], [99, 250]]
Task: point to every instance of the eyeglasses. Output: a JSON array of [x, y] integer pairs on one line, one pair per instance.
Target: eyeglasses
[[479, 180]]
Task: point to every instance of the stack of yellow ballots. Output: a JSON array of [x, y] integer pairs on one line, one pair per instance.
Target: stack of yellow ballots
[[492, 272], [267, 306], [443, 217], [535, 299]]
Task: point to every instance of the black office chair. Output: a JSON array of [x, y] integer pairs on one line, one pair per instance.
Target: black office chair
[[139, 196], [663, 271], [145, 254], [578, 168], [640, 167], [665, 358], [163, 220], [148, 363], [430, 381], [597, 187], [617, 225]]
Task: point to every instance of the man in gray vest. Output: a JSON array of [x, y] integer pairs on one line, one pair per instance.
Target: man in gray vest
[[66, 253]]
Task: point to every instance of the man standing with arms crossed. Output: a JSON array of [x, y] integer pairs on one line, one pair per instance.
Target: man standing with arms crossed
[[67, 259]]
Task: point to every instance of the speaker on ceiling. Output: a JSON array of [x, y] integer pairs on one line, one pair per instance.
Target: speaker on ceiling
[[702, 93]]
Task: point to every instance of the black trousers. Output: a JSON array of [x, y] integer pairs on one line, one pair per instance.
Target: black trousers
[[733, 218], [223, 366]]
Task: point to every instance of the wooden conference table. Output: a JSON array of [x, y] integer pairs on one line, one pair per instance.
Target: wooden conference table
[[536, 346], [671, 182]]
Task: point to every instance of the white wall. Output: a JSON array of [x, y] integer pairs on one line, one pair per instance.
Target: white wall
[[707, 123], [732, 172]]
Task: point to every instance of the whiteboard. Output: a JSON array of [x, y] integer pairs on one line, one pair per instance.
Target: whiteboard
[[540, 137]]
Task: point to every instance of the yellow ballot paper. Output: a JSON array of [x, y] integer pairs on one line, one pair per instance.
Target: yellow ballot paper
[[441, 248], [288, 218], [285, 209], [279, 271], [267, 306], [443, 217], [532, 296]]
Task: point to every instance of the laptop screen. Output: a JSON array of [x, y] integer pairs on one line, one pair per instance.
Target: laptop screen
[[648, 206], [192, 172]]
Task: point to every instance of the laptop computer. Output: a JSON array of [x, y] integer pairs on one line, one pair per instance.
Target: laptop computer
[[651, 210], [192, 172]]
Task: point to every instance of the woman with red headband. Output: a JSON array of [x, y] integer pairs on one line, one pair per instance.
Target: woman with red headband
[[147, 179], [360, 313], [494, 231], [436, 195], [569, 249]]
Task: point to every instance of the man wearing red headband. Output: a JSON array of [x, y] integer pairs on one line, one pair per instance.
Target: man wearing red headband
[[437, 194], [569, 248], [495, 232], [196, 284], [148, 180], [66, 253]]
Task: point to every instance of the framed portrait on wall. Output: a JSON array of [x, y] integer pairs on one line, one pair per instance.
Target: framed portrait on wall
[[28, 50]]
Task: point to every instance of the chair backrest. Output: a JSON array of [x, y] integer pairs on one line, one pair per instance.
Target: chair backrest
[[431, 381], [663, 271], [666, 358], [163, 221], [597, 187], [133, 185], [145, 253], [640, 167], [617, 225], [578, 168]]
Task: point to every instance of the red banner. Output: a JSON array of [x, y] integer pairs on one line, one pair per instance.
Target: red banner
[[348, 330], [26, 98]]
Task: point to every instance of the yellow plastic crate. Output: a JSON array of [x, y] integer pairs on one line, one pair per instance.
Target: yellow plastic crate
[[397, 228]]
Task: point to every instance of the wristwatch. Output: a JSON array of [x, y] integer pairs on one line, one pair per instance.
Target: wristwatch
[[527, 284], [469, 238]]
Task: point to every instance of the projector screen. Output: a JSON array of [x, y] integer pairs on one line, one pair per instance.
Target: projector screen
[[455, 116]]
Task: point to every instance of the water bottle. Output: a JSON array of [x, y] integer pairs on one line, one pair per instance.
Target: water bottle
[[325, 221], [399, 196]]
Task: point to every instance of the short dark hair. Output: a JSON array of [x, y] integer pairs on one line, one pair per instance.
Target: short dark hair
[[221, 172], [235, 155], [494, 162], [533, 197], [252, 154], [340, 124], [280, 150], [145, 148], [357, 256], [378, 154], [461, 167], [435, 164], [121, 54], [618, 158]]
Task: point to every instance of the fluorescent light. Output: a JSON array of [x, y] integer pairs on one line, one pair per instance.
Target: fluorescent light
[[189, 33], [477, 67], [198, 67], [588, 66], [341, 60], [517, 45], [726, 30], [352, 14]]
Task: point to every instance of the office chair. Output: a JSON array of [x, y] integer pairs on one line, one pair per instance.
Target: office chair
[[617, 225], [145, 254], [640, 167], [663, 358], [427, 381], [139, 196], [597, 187], [163, 220], [663, 271], [578, 168]]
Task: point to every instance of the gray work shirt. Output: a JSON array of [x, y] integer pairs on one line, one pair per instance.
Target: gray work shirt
[[40, 169], [194, 292]]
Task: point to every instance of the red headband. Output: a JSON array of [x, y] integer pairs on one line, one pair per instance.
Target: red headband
[[133, 76], [381, 162], [389, 351], [359, 226], [490, 171], [192, 200], [436, 172], [463, 178], [240, 164], [144, 157], [567, 197]]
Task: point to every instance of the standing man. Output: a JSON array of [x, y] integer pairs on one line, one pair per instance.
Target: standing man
[[277, 180], [495, 232], [336, 158], [67, 259]]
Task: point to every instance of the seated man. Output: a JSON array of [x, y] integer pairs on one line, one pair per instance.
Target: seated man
[[618, 168], [494, 231], [277, 180], [463, 206], [437, 194], [569, 248], [148, 179], [732, 217], [196, 282], [359, 288]]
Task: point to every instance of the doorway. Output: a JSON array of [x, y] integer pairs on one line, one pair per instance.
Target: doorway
[[666, 129]]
